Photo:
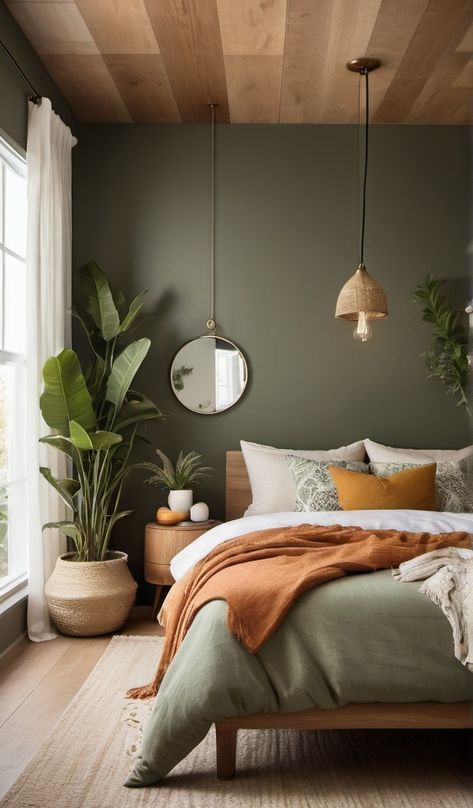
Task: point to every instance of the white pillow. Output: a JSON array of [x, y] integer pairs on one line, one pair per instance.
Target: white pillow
[[378, 453], [272, 486]]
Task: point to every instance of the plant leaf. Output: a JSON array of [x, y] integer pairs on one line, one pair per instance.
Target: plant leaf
[[88, 333], [99, 300], [70, 485], [68, 528], [188, 471], [448, 360], [103, 440], [94, 375], [117, 516], [79, 437], [167, 465], [136, 408], [60, 443], [138, 323], [64, 488], [135, 307], [65, 396], [138, 419], [124, 370], [118, 297]]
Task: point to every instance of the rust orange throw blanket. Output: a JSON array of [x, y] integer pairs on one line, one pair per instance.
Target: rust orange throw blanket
[[260, 575]]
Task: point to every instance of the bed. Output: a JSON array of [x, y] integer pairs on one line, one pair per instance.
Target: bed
[[412, 680], [420, 715]]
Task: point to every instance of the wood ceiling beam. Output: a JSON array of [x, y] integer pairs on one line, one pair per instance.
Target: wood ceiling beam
[[351, 29], [53, 27], [252, 27], [119, 26], [392, 34], [143, 84], [254, 88], [253, 34], [440, 92], [188, 36], [441, 29], [305, 53], [88, 86]]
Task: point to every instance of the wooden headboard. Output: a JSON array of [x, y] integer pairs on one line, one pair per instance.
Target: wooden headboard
[[237, 486]]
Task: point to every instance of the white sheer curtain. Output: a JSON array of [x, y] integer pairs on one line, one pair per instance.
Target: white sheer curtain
[[49, 299]]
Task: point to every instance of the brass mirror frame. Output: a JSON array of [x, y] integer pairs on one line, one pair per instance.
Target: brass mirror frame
[[245, 373]]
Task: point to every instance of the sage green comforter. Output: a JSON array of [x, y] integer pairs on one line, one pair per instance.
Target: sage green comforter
[[362, 638]]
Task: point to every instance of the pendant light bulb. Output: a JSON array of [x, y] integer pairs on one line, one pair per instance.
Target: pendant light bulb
[[363, 331]]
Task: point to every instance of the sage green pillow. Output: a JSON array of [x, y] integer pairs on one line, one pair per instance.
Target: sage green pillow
[[453, 482], [315, 488]]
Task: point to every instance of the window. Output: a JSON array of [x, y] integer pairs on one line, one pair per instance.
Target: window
[[228, 377], [13, 491]]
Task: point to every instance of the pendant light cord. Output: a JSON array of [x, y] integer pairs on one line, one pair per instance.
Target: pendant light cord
[[365, 172], [211, 320], [358, 163]]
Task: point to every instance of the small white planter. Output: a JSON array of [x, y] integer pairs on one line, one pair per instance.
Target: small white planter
[[180, 499]]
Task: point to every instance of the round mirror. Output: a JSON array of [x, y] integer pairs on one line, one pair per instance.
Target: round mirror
[[209, 374]]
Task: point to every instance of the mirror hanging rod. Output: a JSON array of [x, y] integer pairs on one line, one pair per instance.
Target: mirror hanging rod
[[211, 324]]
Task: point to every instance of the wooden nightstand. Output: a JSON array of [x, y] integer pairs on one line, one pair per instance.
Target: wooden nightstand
[[161, 544]]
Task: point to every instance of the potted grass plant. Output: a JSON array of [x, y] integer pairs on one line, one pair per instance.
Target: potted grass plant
[[94, 415], [179, 479]]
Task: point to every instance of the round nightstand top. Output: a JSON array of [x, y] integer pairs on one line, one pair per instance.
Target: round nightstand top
[[194, 526]]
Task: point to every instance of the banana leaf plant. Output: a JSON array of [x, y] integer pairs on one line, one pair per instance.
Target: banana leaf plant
[[95, 414]]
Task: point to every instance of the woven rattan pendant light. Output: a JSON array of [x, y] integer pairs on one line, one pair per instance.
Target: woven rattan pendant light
[[362, 298]]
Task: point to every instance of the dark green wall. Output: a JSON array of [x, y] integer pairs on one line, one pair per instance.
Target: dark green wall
[[286, 241], [12, 624], [14, 93]]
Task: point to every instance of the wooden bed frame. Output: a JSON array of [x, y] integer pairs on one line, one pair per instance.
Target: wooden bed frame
[[419, 715]]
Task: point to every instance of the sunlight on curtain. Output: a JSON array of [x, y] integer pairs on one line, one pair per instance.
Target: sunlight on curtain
[[49, 243]]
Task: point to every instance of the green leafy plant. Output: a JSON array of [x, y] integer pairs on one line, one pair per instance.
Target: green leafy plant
[[179, 375], [187, 472], [95, 414], [448, 359]]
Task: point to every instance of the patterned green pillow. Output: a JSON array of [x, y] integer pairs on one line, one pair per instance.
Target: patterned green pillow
[[315, 488], [453, 481]]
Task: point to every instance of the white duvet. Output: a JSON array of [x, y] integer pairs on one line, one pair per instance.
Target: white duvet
[[415, 521]]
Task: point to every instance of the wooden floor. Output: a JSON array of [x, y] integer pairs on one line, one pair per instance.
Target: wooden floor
[[38, 681]]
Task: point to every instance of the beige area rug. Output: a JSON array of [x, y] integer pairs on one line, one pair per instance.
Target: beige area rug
[[85, 760]]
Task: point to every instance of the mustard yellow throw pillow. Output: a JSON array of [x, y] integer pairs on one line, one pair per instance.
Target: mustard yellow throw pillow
[[413, 488]]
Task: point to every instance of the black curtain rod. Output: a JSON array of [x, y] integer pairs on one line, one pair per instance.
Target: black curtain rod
[[36, 98]]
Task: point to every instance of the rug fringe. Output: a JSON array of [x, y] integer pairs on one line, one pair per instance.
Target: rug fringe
[[134, 716]]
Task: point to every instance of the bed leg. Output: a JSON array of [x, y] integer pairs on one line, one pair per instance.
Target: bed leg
[[226, 752]]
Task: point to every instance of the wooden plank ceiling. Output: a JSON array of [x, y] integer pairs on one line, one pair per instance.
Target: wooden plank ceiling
[[261, 61]]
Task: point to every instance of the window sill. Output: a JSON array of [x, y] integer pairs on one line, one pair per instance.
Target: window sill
[[12, 593]]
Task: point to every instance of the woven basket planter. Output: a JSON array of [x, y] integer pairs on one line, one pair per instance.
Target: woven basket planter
[[86, 598]]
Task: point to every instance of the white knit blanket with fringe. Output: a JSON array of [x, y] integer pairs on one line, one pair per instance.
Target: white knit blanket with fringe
[[448, 582]]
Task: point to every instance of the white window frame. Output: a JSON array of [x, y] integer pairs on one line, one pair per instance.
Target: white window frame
[[17, 578], [227, 364]]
